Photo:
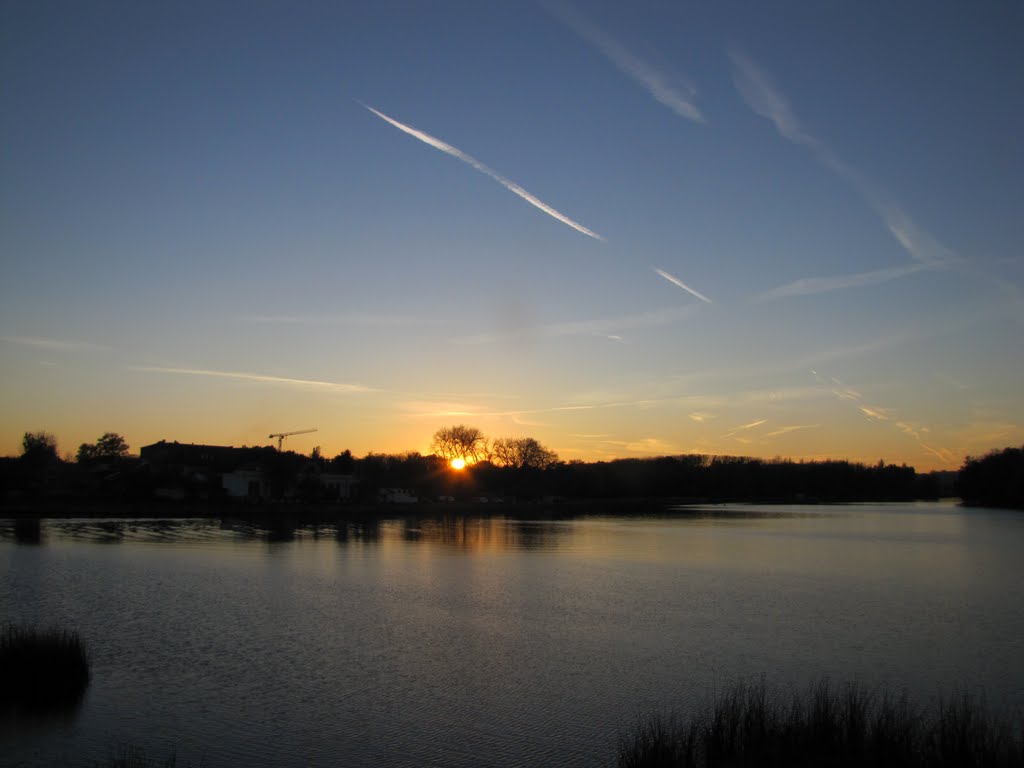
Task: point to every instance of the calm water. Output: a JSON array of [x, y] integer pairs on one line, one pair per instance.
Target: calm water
[[470, 642]]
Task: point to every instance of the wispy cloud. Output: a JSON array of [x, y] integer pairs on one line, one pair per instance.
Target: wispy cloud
[[605, 327], [919, 244], [448, 149], [701, 416], [745, 427], [950, 381], [359, 319], [792, 428], [878, 414], [55, 344], [767, 100], [442, 409], [813, 285], [987, 430], [648, 446], [676, 93], [676, 281], [327, 386]]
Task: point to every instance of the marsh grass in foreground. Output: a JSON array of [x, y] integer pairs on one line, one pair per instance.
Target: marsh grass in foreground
[[844, 726], [130, 756], [41, 669]]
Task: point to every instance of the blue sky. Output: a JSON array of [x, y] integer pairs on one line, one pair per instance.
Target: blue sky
[[623, 229]]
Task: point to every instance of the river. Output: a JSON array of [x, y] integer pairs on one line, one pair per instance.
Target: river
[[472, 641]]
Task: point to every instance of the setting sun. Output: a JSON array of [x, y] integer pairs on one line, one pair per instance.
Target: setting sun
[[458, 463]]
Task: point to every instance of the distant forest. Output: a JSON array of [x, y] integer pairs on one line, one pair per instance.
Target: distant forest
[[994, 480], [518, 469]]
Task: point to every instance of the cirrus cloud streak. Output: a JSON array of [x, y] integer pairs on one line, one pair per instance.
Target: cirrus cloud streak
[[256, 377], [679, 96], [676, 281], [471, 161]]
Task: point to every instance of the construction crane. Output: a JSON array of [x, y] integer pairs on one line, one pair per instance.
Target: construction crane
[[282, 435]]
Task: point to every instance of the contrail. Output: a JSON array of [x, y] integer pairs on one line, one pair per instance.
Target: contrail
[[767, 100], [448, 149], [600, 326], [680, 96], [258, 377], [55, 344], [808, 286], [676, 281], [793, 428], [744, 427], [877, 413]]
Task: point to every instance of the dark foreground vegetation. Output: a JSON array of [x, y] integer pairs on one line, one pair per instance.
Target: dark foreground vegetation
[[994, 480], [751, 726], [130, 756], [839, 726], [41, 670]]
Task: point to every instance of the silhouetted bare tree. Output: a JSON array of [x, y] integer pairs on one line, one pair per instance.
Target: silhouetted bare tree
[[459, 442], [521, 453]]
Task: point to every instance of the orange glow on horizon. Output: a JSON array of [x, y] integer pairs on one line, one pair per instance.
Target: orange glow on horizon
[[458, 464]]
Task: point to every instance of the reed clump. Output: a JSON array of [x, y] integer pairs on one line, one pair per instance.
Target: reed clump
[[840, 726], [41, 669], [131, 756]]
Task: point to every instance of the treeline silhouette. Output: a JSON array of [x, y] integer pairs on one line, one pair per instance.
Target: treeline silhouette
[[994, 480], [104, 471], [712, 478], [735, 478], [685, 478]]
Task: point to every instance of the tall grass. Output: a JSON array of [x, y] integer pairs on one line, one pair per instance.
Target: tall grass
[[845, 727], [41, 669], [130, 756]]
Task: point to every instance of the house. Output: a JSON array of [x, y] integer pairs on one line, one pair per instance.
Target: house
[[396, 496], [248, 483], [336, 487]]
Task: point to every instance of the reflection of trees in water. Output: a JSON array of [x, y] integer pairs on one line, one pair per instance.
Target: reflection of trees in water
[[468, 532], [411, 530], [366, 531], [490, 534], [278, 529], [540, 535], [735, 513], [28, 530], [98, 531]]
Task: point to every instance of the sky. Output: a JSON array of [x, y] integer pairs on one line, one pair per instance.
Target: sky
[[784, 229]]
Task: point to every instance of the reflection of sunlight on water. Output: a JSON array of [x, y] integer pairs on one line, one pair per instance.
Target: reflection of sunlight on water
[[907, 540]]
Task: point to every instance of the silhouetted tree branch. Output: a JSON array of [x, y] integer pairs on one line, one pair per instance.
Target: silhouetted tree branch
[[459, 442], [521, 453]]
